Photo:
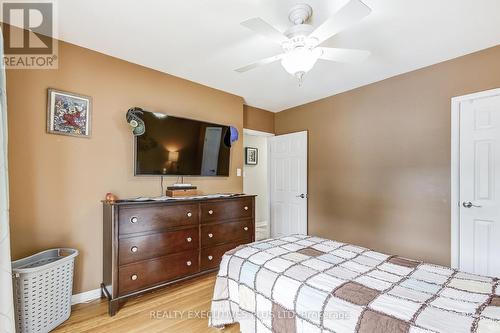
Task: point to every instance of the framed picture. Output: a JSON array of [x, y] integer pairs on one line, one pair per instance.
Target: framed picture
[[251, 156], [68, 113]]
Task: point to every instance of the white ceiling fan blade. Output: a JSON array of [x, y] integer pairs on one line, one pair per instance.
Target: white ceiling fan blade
[[344, 55], [263, 28], [351, 13], [264, 61]]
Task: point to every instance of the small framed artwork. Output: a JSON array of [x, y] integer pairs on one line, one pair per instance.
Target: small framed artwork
[[251, 156], [68, 113]]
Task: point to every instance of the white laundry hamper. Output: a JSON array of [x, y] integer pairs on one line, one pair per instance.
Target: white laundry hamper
[[43, 285]]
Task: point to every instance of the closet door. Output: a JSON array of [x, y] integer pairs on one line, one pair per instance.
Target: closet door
[[288, 178]]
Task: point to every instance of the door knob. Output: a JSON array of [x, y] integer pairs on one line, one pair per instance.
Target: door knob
[[302, 196], [469, 204]]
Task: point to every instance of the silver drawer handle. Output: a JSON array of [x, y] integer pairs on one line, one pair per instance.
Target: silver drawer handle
[[246, 208], [189, 239], [210, 235], [245, 228], [210, 212], [134, 219], [189, 214], [134, 249], [188, 263], [210, 257], [134, 277]]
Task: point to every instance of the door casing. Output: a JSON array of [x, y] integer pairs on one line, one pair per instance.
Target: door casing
[[267, 135]]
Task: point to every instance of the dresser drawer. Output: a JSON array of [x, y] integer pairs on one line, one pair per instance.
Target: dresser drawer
[[140, 219], [226, 210], [138, 248], [211, 257], [214, 234], [148, 273]]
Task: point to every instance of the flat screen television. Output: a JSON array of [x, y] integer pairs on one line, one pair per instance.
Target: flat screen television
[[182, 147]]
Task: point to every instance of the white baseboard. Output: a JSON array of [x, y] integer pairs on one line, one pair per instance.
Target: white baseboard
[[86, 296]]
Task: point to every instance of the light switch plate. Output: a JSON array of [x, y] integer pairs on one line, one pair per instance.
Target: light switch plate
[[238, 172]]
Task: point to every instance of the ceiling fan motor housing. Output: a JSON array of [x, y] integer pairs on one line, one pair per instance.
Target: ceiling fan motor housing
[[298, 38], [298, 32]]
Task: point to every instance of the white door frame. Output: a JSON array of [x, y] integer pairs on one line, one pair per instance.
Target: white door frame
[[267, 135], [455, 169]]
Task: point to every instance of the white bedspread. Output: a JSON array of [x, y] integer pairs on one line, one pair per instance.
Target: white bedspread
[[309, 284]]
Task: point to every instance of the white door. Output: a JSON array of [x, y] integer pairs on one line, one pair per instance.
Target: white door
[[288, 180], [211, 148], [480, 186]]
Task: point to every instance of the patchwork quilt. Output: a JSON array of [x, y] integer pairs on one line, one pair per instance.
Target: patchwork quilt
[[309, 284]]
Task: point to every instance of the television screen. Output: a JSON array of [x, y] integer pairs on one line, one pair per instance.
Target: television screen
[[183, 147]]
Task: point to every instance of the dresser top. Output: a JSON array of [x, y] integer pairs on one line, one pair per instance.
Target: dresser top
[[162, 200]]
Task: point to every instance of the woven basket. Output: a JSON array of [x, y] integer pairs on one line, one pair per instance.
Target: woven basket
[[43, 285]]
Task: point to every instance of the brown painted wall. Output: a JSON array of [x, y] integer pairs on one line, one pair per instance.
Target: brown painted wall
[[258, 119], [379, 157], [57, 182]]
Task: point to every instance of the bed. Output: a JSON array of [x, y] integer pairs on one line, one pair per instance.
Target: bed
[[309, 284]]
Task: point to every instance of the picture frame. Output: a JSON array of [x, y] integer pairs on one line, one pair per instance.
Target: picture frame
[[251, 156], [69, 113]]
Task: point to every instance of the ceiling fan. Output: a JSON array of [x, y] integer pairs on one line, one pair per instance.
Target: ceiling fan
[[301, 43]]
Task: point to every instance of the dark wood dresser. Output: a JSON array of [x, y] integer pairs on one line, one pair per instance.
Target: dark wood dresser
[[147, 245]]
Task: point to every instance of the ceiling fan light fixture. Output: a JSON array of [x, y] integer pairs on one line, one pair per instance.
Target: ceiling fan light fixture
[[301, 60]]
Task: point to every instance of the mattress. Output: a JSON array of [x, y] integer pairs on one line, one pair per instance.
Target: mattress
[[309, 284]]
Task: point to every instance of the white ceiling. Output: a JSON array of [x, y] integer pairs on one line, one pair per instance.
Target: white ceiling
[[202, 41]]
